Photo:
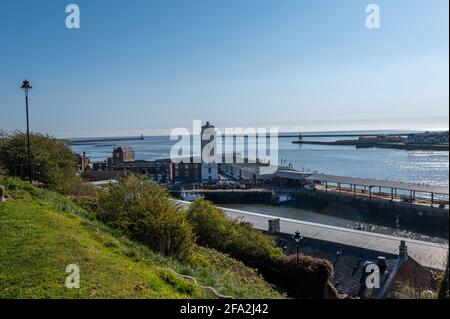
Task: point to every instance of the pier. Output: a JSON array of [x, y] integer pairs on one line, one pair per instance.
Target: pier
[[104, 139], [359, 144], [292, 135], [364, 186]]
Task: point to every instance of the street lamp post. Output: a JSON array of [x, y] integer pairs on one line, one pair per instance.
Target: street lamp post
[[26, 87], [297, 237]]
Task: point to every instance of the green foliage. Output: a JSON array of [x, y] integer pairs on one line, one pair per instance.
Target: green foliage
[[146, 212], [55, 159], [406, 291], [50, 231], [89, 203], [238, 239], [443, 287], [311, 279], [38, 242]]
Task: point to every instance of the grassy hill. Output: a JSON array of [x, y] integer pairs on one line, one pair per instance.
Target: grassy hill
[[42, 232]]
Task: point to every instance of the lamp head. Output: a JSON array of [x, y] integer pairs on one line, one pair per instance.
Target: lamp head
[[297, 237], [26, 86]]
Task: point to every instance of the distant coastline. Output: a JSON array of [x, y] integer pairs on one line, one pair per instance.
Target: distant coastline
[[103, 139]]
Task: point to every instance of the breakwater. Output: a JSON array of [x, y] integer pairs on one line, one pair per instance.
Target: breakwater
[[364, 144], [104, 139]]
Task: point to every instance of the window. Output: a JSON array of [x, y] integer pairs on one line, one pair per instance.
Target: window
[[209, 170], [177, 173], [186, 166], [186, 174]]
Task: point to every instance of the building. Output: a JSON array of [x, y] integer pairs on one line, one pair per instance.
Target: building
[[209, 166], [187, 170], [154, 170], [428, 138], [198, 169], [382, 138], [123, 162], [83, 162], [351, 270], [246, 173], [122, 154]]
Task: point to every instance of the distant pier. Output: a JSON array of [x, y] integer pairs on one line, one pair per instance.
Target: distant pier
[[292, 135], [360, 144], [104, 139]]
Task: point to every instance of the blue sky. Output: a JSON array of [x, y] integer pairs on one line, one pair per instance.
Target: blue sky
[[152, 65]]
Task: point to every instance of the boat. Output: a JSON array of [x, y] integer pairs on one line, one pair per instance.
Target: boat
[[190, 196], [280, 198]]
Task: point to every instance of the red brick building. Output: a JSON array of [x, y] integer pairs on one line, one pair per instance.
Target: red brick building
[[186, 170], [84, 163], [122, 154]]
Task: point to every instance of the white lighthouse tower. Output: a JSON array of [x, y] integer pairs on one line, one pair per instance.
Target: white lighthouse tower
[[210, 169]]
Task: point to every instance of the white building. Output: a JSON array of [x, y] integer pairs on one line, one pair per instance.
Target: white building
[[210, 169]]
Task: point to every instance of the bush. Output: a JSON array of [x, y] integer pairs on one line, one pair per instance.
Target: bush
[[238, 239], [55, 159], [443, 285], [404, 290], [310, 279], [146, 212], [89, 203]]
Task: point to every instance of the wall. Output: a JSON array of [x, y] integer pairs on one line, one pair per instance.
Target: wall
[[424, 219]]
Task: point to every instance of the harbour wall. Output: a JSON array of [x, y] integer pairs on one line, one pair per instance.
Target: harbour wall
[[432, 221]]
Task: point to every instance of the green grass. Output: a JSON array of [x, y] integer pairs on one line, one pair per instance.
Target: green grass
[[42, 232]]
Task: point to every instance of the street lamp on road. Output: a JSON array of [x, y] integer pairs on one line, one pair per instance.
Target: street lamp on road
[[297, 237], [26, 87]]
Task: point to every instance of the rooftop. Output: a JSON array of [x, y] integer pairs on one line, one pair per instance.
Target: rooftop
[[427, 254], [348, 262]]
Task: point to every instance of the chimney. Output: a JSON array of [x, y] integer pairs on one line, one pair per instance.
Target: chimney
[[403, 250], [381, 263], [274, 226]]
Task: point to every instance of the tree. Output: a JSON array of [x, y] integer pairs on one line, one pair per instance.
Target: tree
[[309, 279], [56, 162], [443, 288]]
